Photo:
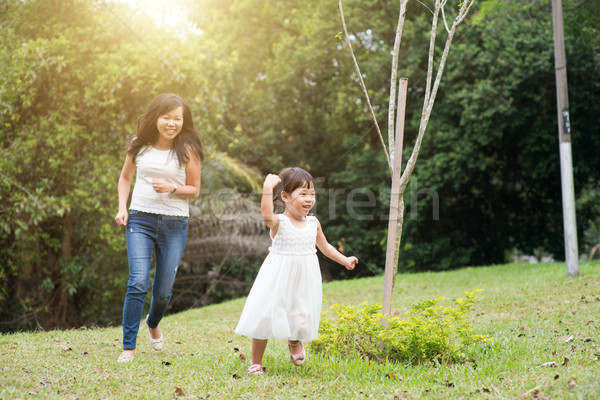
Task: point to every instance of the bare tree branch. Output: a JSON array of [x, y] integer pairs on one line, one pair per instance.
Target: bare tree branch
[[363, 87]]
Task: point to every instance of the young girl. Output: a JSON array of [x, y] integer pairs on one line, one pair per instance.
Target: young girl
[[285, 299], [166, 153]]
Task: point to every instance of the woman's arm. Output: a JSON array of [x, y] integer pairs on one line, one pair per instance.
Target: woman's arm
[[266, 203], [193, 173], [331, 252], [124, 187]]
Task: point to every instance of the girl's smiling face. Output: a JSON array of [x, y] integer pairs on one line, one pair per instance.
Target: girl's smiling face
[[169, 125], [300, 201]]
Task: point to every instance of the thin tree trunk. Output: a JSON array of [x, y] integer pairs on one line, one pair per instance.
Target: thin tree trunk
[[428, 101]]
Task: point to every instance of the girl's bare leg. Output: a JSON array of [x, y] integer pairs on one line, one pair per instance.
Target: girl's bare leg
[[258, 350]]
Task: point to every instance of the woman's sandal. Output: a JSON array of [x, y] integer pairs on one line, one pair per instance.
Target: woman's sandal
[[123, 358], [255, 369], [297, 359], [157, 344]]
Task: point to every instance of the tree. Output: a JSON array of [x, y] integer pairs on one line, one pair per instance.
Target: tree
[[74, 78], [491, 150], [400, 179]]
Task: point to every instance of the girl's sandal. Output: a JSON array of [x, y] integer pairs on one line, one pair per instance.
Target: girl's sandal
[[256, 369], [297, 359]]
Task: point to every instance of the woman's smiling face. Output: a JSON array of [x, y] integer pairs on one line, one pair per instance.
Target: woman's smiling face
[[169, 124]]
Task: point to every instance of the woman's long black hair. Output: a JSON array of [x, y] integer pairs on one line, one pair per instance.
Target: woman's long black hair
[[147, 133]]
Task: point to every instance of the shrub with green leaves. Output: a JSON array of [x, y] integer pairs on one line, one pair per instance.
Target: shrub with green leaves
[[430, 332]]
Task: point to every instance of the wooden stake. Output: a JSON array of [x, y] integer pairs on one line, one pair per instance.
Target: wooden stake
[[392, 248]]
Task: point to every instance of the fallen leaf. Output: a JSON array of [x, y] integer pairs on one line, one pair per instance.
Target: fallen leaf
[[393, 375], [548, 364], [166, 363], [236, 376], [572, 383], [534, 391], [97, 370], [556, 376], [179, 392], [568, 339], [538, 394], [566, 361], [33, 392], [242, 356]]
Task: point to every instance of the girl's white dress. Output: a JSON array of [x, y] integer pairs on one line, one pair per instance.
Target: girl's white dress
[[286, 297]]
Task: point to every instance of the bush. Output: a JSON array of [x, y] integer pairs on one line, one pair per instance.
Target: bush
[[429, 333]]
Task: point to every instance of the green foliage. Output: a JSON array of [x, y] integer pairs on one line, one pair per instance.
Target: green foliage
[[491, 152], [429, 333], [73, 81], [271, 85], [357, 197]]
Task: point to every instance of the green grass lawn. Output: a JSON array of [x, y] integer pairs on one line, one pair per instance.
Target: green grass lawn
[[545, 328]]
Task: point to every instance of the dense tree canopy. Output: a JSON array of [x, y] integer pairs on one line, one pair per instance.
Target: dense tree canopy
[[271, 86]]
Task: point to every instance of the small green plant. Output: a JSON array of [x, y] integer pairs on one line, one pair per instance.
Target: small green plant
[[430, 332]]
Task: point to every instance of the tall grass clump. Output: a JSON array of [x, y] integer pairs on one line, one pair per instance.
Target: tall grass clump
[[429, 333]]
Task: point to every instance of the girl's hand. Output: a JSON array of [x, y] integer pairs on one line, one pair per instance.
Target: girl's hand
[[350, 263], [271, 181], [162, 186], [121, 218]]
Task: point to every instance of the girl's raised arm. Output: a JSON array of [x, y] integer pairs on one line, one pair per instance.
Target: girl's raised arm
[[333, 253], [266, 204]]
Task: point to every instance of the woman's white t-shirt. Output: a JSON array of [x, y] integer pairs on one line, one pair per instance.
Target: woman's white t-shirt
[[152, 164]]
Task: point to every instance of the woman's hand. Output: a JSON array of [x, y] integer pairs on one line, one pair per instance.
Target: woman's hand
[[162, 186], [121, 218]]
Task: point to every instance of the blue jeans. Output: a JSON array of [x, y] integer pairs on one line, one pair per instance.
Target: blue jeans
[[165, 236]]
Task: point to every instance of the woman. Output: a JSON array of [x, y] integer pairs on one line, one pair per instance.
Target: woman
[[166, 153]]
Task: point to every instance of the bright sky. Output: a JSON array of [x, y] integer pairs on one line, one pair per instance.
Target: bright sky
[[168, 15]]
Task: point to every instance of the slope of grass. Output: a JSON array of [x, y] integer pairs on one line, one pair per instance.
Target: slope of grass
[[545, 327]]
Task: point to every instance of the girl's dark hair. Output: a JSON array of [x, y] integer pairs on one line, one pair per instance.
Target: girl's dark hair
[[147, 133], [292, 178]]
